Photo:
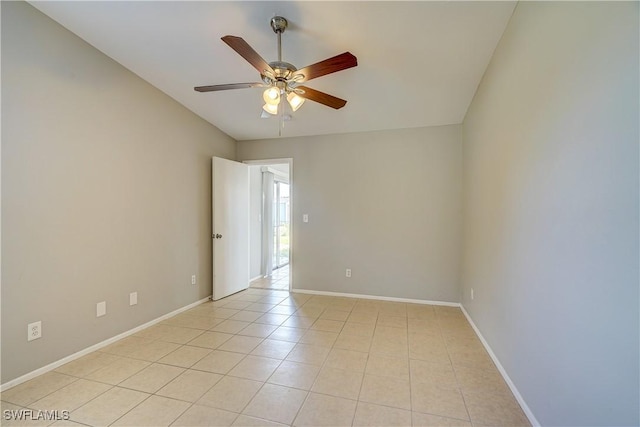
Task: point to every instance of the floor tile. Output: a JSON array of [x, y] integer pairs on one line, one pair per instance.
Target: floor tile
[[367, 318], [271, 318], [231, 394], [223, 313], [385, 347], [230, 326], [118, 371], [189, 386], [386, 391], [321, 338], [300, 322], [273, 348], [428, 420], [347, 360], [155, 411], [359, 329], [294, 374], [238, 305], [247, 421], [327, 325], [241, 344], [126, 346], [189, 321], [185, 356], [306, 353], [431, 399], [309, 311], [71, 396], [169, 333], [285, 333], [283, 309], [353, 342], [323, 410], [392, 321], [382, 365], [205, 416], [261, 307], [337, 382], [438, 374], [276, 403], [108, 407], [35, 389], [210, 340], [154, 350], [259, 330], [152, 378], [219, 362], [87, 364], [255, 368], [495, 410], [332, 314], [246, 316], [368, 414], [389, 364], [481, 381]]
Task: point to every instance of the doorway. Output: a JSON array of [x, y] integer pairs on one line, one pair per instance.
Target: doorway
[[271, 227], [281, 224]]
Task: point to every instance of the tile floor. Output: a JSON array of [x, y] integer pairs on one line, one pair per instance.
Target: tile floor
[[268, 357], [278, 280]]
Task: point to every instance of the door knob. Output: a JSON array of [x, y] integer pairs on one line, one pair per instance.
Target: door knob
[[218, 236]]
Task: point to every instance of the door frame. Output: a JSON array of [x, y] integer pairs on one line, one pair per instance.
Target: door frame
[[288, 160]]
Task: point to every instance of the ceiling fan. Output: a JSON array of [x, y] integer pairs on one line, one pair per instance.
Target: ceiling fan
[[282, 79]]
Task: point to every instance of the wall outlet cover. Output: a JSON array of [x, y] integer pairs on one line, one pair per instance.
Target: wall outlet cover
[[34, 330], [101, 309], [133, 298]]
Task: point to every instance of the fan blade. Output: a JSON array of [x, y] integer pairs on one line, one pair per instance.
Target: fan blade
[[321, 97], [226, 87], [328, 66], [247, 52]]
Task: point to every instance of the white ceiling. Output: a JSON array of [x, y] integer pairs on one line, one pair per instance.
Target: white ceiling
[[419, 63]]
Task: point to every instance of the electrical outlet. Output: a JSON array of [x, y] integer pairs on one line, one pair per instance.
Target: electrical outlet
[[305, 217], [471, 293], [133, 298], [101, 309], [34, 330], [193, 279], [348, 273]]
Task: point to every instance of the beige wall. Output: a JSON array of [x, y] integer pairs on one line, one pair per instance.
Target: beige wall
[[106, 190], [385, 204], [551, 210]]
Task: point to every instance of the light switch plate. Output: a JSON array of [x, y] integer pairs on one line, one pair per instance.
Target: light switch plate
[[133, 298], [101, 309], [305, 218]]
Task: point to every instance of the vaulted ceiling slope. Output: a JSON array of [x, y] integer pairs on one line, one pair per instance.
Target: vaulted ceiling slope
[[419, 63]]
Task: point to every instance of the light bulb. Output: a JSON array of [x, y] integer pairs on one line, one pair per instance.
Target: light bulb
[[295, 101], [272, 96], [271, 108]]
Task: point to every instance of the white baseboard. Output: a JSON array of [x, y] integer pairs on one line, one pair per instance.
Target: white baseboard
[[74, 356], [525, 408], [376, 297], [258, 277]]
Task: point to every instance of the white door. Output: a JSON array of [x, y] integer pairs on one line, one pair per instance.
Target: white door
[[230, 227]]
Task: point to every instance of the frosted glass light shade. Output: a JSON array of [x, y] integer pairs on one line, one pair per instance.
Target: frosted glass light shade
[[295, 101], [271, 96], [270, 108]]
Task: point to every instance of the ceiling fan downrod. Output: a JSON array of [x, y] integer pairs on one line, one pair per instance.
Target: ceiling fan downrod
[[278, 25]]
